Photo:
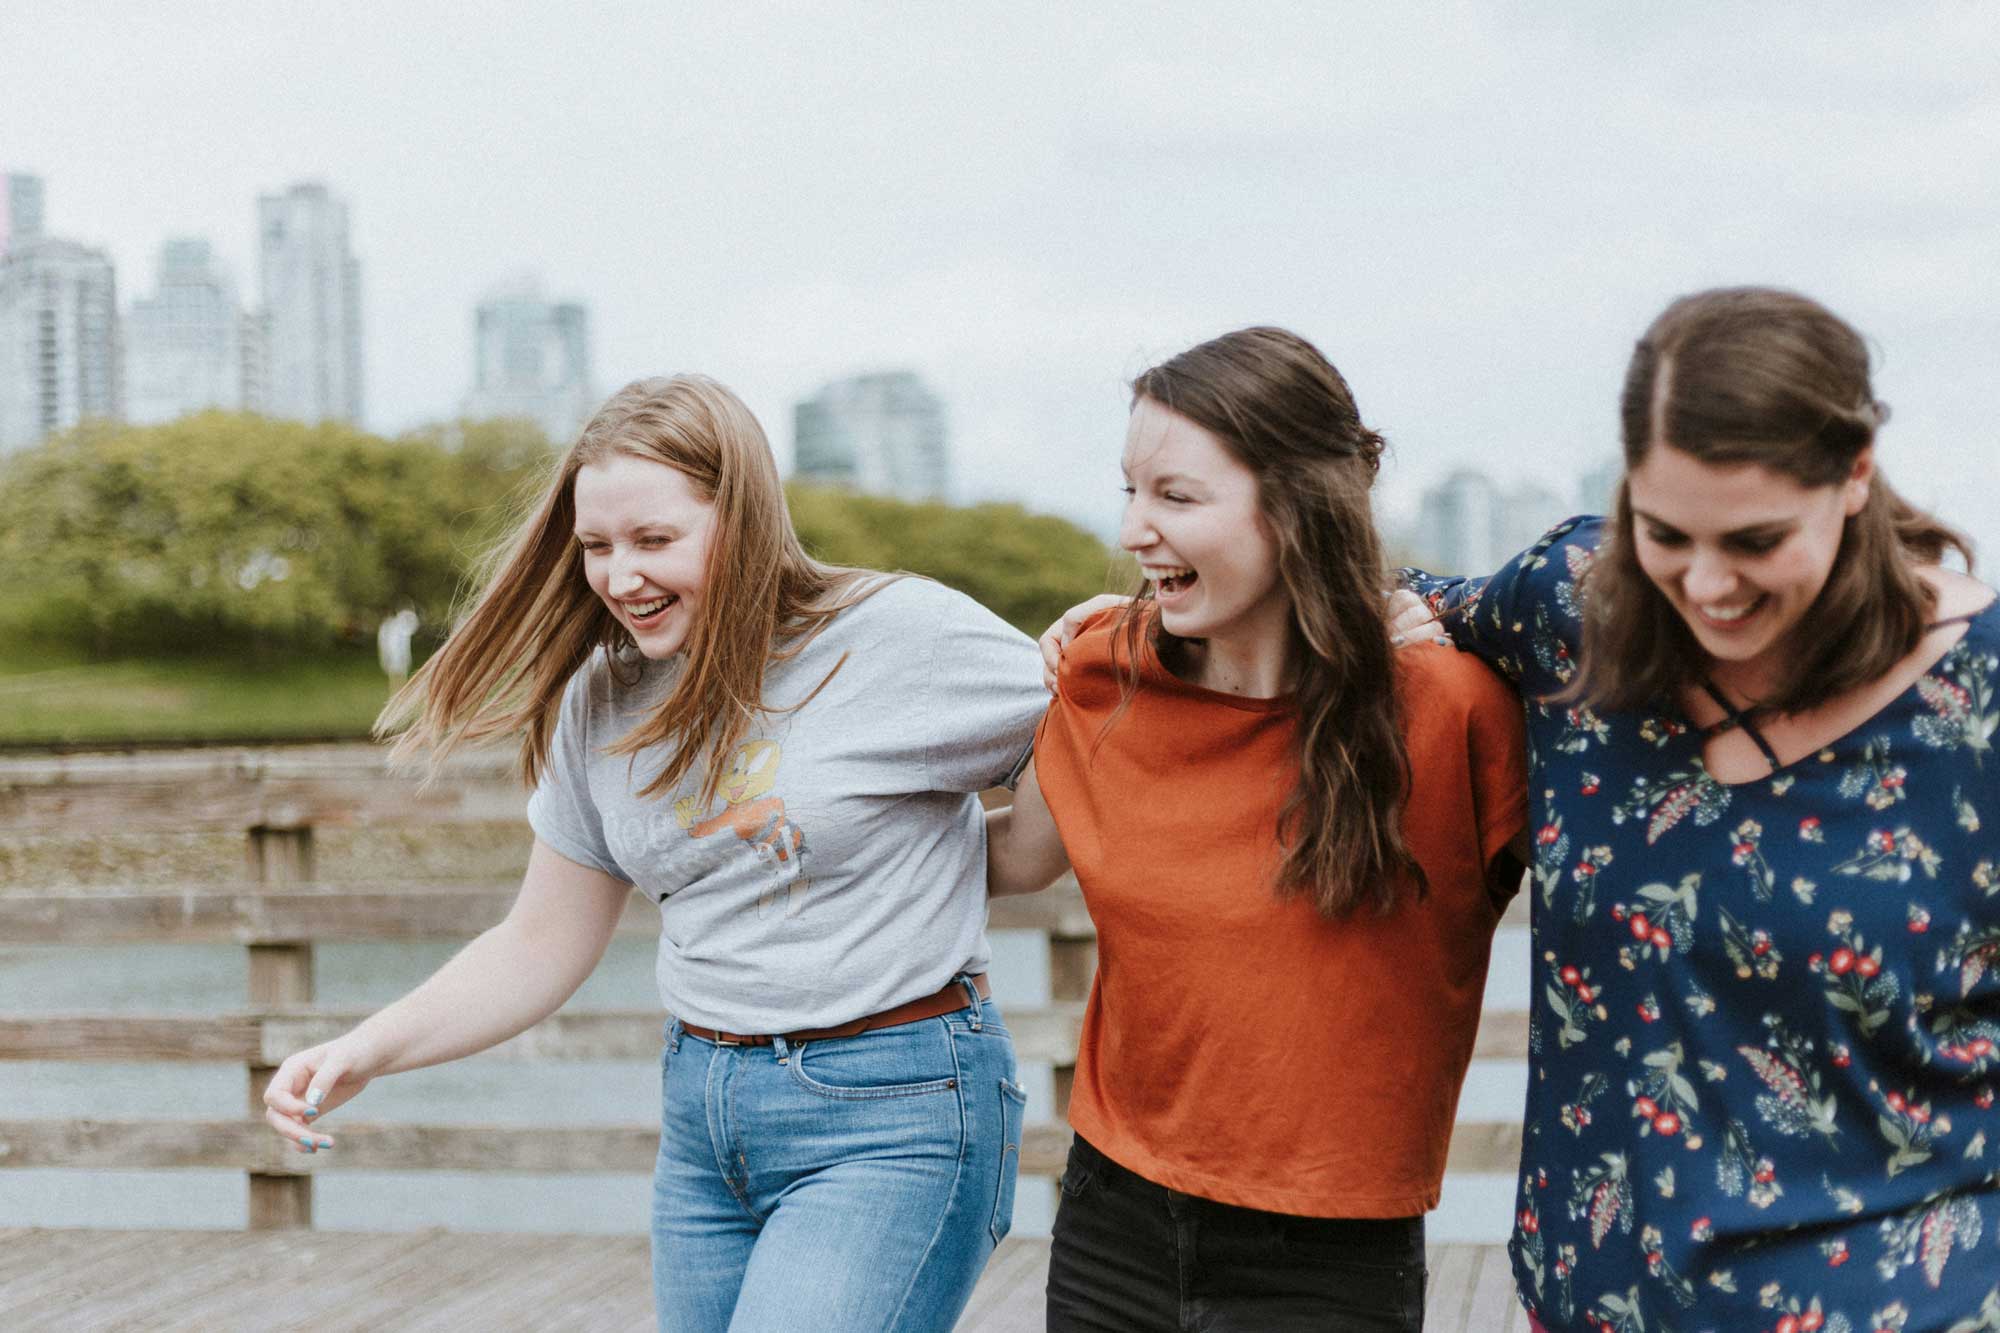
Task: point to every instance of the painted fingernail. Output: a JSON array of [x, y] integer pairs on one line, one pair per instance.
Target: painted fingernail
[[305, 1142], [314, 1096], [311, 1111], [324, 1143]]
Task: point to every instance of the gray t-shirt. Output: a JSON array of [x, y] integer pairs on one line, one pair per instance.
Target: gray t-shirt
[[841, 869]]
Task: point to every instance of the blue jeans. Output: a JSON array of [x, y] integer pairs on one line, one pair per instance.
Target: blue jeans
[[857, 1183]]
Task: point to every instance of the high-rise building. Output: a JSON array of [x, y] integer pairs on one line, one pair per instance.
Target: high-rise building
[[311, 286], [883, 434], [254, 341], [20, 210], [184, 344], [531, 358], [1526, 512], [1598, 487], [1456, 524], [1468, 525], [58, 326]]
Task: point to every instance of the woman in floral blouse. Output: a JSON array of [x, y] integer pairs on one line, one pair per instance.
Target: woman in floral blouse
[[1765, 1040]]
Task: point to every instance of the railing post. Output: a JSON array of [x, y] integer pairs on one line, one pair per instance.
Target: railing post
[[280, 974], [1072, 965]]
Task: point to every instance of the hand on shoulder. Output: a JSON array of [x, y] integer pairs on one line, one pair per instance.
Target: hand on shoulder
[[1958, 594]]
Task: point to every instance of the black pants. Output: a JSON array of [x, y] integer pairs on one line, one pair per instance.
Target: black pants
[[1130, 1256]]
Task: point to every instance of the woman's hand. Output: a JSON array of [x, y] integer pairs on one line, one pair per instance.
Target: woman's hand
[[504, 982], [1408, 615], [1057, 636], [314, 1081]]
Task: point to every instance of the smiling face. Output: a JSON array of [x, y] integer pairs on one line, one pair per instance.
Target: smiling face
[[644, 530], [1194, 523], [1740, 551]]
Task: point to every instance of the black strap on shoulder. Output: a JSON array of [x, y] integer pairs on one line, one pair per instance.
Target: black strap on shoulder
[[1965, 619]]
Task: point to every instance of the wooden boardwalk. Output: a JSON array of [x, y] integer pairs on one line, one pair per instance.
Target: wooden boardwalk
[[83, 1281]]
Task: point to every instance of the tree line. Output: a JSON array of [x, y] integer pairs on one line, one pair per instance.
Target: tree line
[[225, 531]]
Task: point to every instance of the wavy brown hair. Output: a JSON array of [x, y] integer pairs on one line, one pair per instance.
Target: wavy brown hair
[[535, 621], [1755, 375], [1284, 412]]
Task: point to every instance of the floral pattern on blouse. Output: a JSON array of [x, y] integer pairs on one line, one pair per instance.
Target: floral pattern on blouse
[[1765, 1033]]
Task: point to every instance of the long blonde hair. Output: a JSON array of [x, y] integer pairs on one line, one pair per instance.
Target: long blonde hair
[[535, 621]]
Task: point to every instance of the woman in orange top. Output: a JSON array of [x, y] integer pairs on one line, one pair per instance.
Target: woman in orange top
[[1295, 844]]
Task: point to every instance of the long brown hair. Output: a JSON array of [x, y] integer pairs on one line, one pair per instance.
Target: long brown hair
[[1754, 375], [536, 621], [1284, 412]]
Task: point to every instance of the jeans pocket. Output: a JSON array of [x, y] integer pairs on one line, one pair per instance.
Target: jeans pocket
[[1078, 1169], [1376, 1267], [910, 1060], [1013, 1110]]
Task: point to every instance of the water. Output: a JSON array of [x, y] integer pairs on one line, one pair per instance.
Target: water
[[157, 979]]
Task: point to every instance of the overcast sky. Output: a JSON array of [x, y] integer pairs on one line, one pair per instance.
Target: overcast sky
[[1473, 209]]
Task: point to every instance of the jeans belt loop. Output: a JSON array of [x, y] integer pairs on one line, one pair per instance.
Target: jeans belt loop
[[972, 1000]]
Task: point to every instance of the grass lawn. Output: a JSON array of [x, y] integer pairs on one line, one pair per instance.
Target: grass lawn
[[55, 697]]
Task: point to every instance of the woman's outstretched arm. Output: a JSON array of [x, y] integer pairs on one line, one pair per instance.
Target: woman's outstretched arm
[[504, 982], [1024, 851]]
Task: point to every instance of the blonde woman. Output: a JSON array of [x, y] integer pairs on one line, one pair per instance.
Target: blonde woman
[[784, 756]]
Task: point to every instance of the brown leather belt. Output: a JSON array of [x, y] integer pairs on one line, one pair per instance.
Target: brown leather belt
[[951, 998]]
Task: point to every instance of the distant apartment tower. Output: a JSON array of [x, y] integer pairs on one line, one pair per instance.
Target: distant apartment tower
[[184, 344], [1468, 525], [1455, 524], [882, 434], [20, 210], [311, 286], [58, 327], [1598, 487], [531, 358]]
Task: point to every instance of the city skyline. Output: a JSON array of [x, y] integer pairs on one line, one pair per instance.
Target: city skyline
[[882, 433], [1473, 218]]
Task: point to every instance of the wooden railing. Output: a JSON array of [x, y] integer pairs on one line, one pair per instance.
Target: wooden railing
[[281, 803]]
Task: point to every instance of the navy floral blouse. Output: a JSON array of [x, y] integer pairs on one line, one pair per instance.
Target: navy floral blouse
[[1765, 1031]]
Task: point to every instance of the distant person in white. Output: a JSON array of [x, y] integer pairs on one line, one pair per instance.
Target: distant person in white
[[785, 757], [392, 645]]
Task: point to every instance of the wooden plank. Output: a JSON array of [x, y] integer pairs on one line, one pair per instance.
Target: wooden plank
[[1048, 1034], [418, 1281], [211, 1038], [1010, 1295], [249, 915], [1057, 910], [245, 912], [433, 1280], [238, 788], [1451, 1271], [1494, 1303], [1503, 1035], [251, 1146], [1486, 1148]]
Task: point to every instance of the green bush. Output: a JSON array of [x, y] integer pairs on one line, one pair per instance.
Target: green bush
[[1027, 568], [221, 531]]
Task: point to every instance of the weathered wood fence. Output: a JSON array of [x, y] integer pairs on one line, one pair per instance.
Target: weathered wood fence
[[285, 805]]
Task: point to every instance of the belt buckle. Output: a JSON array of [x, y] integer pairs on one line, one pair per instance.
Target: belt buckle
[[724, 1039]]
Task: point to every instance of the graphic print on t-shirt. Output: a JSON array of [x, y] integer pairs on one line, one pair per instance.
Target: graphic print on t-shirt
[[758, 818]]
